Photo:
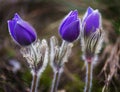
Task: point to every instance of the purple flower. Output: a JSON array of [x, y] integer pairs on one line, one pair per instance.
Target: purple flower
[[91, 34], [91, 21], [21, 31], [70, 27]]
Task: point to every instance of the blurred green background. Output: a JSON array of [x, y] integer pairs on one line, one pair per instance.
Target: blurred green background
[[45, 16]]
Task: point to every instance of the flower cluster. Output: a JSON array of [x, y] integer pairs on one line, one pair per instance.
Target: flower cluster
[[36, 52]]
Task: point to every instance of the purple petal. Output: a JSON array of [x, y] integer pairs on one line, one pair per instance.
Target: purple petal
[[27, 27], [17, 17], [11, 25], [92, 22], [88, 12], [72, 16], [64, 20], [75, 13], [67, 22], [71, 32], [23, 36]]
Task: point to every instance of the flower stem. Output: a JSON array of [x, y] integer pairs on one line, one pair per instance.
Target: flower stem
[[34, 83], [55, 81], [88, 77]]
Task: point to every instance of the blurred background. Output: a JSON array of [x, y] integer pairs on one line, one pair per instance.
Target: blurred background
[[45, 16]]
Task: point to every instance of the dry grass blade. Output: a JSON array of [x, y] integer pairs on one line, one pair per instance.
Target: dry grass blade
[[112, 65]]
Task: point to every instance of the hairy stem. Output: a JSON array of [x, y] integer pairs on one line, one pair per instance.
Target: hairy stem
[[55, 81], [34, 83], [88, 77]]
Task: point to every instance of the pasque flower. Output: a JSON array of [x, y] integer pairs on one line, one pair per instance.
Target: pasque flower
[[69, 31], [70, 27], [34, 50], [91, 37], [21, 31], [91, 41]]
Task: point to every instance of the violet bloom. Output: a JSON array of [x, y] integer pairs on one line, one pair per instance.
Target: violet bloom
[[70, 27], [21, 31], [91, 34], [91, 21], [91, 41]]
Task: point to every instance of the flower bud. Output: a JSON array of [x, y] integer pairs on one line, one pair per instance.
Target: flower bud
[[21, 31], [70, 27], [91, 21]]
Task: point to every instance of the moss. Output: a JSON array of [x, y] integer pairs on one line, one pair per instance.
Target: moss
[[46, 80], [96, 86], [75, 86], [27, 78]]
